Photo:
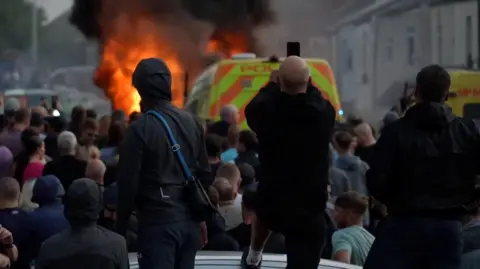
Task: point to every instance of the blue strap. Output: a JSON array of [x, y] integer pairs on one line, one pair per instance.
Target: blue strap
[[174, 145]]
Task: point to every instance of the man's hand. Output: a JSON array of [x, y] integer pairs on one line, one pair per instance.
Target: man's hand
[[6, 237], [274, 76], [4, 261]]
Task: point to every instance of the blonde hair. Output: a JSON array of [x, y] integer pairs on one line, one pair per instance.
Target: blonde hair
[[88, 153]]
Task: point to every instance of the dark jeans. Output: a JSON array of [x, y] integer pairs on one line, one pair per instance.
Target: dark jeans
[[168, 246], [412, 242], [304, 244]]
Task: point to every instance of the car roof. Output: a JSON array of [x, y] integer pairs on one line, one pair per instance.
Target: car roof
[[217, 256], [16, 92]]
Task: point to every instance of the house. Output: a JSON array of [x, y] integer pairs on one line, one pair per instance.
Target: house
[[379, 48]]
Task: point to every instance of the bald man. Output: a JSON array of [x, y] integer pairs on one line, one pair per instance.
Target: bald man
[[228, 116], [366, 142], [293, 123], [96, 171]]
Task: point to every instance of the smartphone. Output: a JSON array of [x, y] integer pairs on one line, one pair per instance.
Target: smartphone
[[293, 49]]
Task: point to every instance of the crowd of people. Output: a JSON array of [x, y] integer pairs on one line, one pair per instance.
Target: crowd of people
[[84, 192]]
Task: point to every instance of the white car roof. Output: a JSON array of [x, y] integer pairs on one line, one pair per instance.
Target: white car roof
[[21, 92], [226, 259]]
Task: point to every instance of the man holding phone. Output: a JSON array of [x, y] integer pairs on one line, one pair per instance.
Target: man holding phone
[[293, 123]]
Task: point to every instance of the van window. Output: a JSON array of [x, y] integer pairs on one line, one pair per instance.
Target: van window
[[471, 111]]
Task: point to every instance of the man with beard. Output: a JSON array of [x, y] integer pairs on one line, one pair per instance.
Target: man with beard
[[294, 124]]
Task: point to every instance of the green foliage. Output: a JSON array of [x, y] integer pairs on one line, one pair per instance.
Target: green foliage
[[16, 24]]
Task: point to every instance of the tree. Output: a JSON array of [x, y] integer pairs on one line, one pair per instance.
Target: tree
[[16, 24]]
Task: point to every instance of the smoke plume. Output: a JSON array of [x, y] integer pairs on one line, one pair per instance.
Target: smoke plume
[[240, 17]]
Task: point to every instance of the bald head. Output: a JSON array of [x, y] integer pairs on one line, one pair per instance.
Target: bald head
[[40, 110], [364, 133], [294, 75], [229, 113], [96, 171]]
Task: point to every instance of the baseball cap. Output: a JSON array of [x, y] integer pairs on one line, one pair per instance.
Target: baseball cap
[[247, 173], [58, 124]]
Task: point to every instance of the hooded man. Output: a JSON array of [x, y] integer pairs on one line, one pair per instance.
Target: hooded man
[[424, 170], [48, 218], [150, 179], [84, 244]]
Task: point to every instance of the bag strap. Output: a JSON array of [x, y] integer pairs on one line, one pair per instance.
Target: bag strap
[[174, 145]]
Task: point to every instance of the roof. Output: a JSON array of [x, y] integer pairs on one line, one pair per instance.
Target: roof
[[379, 8], [17, 92], [236, 256]]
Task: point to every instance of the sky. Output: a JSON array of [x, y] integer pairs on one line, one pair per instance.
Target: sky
[[54, 8]]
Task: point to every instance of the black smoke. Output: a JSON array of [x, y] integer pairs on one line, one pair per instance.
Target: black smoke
[[240, 16]]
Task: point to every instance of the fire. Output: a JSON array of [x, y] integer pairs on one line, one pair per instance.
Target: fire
[[227, 44], [127, 43], [121, 52]]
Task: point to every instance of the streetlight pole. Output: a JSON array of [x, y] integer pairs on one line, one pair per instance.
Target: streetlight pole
[[34, 31]]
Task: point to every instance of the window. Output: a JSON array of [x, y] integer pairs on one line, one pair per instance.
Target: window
[[468, 36], [411, 45], [389, 50]]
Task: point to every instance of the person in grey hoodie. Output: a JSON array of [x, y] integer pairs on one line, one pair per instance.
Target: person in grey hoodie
[[338, 179], [352, 165]]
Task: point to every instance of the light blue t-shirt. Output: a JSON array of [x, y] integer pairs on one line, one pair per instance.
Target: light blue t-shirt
[[229, 155], [356, 240]]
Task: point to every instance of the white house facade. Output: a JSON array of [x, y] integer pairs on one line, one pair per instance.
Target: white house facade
[[376, 53]]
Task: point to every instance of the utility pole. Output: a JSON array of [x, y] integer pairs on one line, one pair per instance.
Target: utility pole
[[34, 32]]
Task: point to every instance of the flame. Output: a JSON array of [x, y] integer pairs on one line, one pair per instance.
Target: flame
[[129, 39], [227, 44], [122, 51]]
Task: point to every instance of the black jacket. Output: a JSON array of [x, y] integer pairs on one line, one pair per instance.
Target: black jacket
[[294, 134], [84, 245], [67, 168], [426, 163], [149, 177]]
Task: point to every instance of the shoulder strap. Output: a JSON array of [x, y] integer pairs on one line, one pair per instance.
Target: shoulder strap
[[173, 143]]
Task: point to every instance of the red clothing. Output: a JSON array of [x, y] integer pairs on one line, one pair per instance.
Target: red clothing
[[32, 171]]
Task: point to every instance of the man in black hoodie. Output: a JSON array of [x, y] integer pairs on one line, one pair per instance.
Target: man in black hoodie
[[423, 169], [84, 244], [294, 124], [151, 181]]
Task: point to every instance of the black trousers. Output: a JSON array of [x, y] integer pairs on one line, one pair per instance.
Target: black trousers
[[168, 246], [304, 238], [412, 242], [303, 251]]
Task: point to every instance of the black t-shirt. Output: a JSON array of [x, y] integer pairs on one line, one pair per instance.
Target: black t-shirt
[[365, 153], [16, 221], [21, 162]]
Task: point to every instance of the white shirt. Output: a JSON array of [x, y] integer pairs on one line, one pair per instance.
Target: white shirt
[[232, 213]]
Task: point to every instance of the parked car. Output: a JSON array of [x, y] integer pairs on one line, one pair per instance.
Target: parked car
[[232, 260]]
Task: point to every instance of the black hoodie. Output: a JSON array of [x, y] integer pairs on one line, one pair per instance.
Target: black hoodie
[[294, 133], [84, 245], [426, 163], [149, 178]]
